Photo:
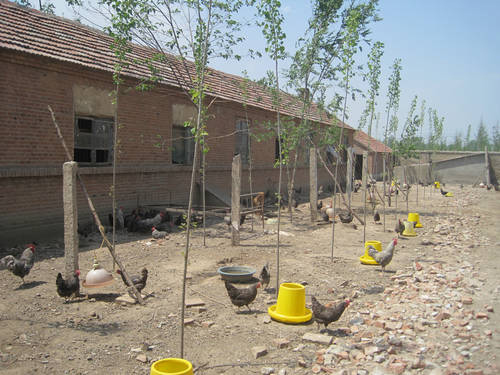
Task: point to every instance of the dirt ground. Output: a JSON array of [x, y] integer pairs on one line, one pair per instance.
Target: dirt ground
[[436, 310]]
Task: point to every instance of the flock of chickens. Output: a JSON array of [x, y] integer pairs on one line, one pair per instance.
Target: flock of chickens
[[66, 288]]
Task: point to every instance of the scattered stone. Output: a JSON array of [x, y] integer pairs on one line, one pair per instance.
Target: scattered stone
[[142, 358], [259, 351], [281, 343], [467, 300], [488, 332], [443, 315], [126, 300], [266, 319], [267, 370], [301, 362], [201, 309], [417, 266], [316, 369], [282, 371], [207, 324], [397, 367], [357, 321], [418, 363], [489, 308], [188, 321], [393, 326], [192, 302], [482, 315], [317, 338], [371, 350]]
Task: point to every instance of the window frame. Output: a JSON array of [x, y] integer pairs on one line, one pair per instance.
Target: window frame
[[239, 139], [188, 145], [93, 141]]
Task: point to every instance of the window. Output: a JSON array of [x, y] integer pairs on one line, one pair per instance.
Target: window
[[242, 140], [93, 141], [277, 149], [182, 145]]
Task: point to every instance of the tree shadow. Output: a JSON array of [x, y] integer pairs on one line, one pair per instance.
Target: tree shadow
[[101, 297], [250, 312], [30, 285]]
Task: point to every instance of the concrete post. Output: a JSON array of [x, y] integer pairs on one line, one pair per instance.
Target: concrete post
[[313, 183], [364, 181], [487, 166], [235, 200], [349, 176], [70, 218]]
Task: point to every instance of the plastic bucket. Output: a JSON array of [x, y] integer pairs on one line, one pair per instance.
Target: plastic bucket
[[172, 366], [366, 258], [291, 304]]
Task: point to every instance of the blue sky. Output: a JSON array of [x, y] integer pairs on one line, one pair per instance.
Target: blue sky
[[449, 49]]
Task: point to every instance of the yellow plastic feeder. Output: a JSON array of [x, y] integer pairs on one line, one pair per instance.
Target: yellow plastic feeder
[[172, 366], [437, 185], [409, 229], [449, 194], [291, 305], [414, 217], [366, 258]]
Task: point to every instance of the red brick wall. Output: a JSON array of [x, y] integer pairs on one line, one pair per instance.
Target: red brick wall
[[31, 155]]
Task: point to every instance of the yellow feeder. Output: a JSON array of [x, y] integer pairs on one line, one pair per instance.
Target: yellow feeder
[[291, 304], [437, 185], [449, 194], [414, 217], [409, 229], [172, 366], [366, 258]]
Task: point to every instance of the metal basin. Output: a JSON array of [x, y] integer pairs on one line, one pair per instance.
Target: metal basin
[[236, 273]]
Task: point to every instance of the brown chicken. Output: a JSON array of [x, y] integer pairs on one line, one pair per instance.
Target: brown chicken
[[376, 217], [22, 266], [138, 281], [326, 315], [400, 227], [345, 217], [67, 288], [242, 297]]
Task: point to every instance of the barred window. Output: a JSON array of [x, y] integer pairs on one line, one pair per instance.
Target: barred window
[[93, 141]]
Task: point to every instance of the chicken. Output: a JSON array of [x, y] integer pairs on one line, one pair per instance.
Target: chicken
[[138, 281], [326, 315], [265, 276], [376, 217], [158, 234], [319, 205], [22, 266], [443, 192], [400, 227], [345, 218], [67, 288], [325, 216], [383, 257], [120, 219], [242, 297]]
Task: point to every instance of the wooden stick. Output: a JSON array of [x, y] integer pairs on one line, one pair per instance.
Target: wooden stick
[[94, 213]]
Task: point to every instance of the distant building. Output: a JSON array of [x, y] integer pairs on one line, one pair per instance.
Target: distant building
[[376, 152]]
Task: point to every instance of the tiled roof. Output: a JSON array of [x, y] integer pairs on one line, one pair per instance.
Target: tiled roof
[[369, 142], [33, 32]]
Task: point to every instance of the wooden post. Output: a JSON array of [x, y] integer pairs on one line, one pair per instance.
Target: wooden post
[[313, 184], [389, 191], [349, 176], [487, 166], [364, 179], [235, 200], [70, 218]]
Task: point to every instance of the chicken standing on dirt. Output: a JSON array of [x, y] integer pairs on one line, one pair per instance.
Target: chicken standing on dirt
[[22, 266], [326, 315], [345, 218], [242, 297], [376, 217], [67, 288], [265, 276], [157, 234], [138, 281], [383, 257], [400, 227]]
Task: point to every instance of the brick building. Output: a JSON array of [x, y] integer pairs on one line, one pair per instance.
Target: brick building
[[376, 152], [47, 60]]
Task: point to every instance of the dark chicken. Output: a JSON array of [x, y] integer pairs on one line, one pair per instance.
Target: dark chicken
[[242, 297], [376, 217], [443, 192], [326, 315], [265, 276], [22, 266], [67, 288], [138, 281], [345, 218], [400, 227]]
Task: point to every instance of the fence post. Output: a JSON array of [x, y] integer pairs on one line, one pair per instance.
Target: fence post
[[313, 183], [235, 200], [70, 218], [487, 165]]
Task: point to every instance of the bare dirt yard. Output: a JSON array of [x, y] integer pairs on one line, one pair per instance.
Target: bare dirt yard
[[436, 310]]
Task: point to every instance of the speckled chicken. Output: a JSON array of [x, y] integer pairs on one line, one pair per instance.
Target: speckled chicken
[[326, 315], [20, 267], [383, 257], [400, 227], [139, 281], [265, 276]]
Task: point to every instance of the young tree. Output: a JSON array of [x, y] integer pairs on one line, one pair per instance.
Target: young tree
[[482, 139], [467, 142], [495, 137], [270, 21], [393, 95]]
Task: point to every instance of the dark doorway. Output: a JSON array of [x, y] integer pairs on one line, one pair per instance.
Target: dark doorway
[[358, 168]]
